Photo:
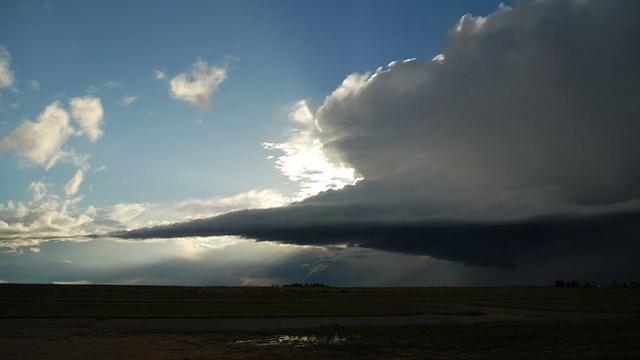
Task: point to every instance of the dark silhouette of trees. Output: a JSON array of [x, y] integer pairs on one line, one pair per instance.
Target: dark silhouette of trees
[[572, 283], [305, 285]]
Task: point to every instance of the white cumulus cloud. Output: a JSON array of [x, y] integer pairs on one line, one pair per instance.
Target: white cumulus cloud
[[41, 142], [198, 85], [45, 216], [505, 107], [88, 112], [6, 76]]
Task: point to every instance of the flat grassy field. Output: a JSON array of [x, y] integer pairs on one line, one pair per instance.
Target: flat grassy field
[[105, 301], [115, 322]]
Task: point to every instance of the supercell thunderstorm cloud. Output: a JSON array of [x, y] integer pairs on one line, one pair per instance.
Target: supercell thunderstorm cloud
[[353, 143], [515, 148]]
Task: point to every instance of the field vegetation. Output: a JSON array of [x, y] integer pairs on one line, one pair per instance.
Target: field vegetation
[[104, 301], [111, 322]]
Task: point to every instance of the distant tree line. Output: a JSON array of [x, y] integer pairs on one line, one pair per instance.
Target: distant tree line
[[574, 283], [304, 285]]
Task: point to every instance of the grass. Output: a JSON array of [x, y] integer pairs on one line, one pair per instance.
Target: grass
[[608, 337], [191, 310], [571, 299], [172, 302]]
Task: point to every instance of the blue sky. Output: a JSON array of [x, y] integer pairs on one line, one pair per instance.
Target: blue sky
[[158, 149], [128, 114]]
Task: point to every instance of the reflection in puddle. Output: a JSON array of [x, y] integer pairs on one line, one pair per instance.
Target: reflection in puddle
[[294, 340]]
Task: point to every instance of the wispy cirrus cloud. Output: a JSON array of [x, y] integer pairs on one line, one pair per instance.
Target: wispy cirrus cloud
[[136, 214], [73, 185], [129, 100], [111, 84], [159, 74], [197, 85], [124, 212]]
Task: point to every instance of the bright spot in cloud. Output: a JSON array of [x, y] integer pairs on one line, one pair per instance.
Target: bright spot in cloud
[[75, 282], [194, 248], [304, 160]]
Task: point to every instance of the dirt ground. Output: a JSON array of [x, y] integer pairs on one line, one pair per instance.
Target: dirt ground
[[236, 338]]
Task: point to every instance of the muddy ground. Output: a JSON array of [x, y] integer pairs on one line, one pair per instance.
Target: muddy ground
[[257, 338]]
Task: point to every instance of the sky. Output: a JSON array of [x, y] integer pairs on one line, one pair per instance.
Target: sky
[[351, 143]]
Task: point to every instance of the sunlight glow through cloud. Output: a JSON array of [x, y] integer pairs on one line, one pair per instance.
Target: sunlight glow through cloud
[[304, 160]]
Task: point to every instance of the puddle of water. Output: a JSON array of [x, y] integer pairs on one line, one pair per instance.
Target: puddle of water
[[293, 340]]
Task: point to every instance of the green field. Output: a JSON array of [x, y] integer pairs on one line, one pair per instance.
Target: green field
[[104, 301]]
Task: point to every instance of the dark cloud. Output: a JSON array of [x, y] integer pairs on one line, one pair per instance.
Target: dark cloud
[[473, 243], [543, 94], [517, 147]]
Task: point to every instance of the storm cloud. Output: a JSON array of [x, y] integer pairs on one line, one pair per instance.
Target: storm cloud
[[520, 138], [473, 243], [545, 94]]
